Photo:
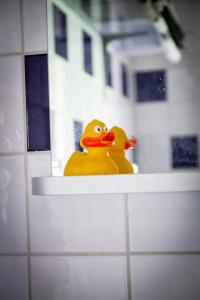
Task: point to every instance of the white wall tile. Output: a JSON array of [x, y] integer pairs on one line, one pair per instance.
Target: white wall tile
[[35, 25], [153, 153], [165, 277], [12, 205], [152, 118], [79, 278], [39, 164], [185, 117], [77, 223], [10, 32], [13, 274], [164, 221], [11, 105]]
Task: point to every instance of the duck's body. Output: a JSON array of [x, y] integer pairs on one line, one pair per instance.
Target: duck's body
[[81, 163], [124, 166], [117, 152], [96, 161]]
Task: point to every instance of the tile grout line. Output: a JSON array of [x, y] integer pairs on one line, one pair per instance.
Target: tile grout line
[[21, 53], [25, 154], [128, 270], [66, 254], [131, 253], [163, 253]]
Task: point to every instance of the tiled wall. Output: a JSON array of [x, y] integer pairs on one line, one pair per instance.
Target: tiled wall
[[110, 247], [20, 23]]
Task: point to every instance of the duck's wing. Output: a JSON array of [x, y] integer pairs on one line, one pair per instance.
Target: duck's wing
[[72, 166]]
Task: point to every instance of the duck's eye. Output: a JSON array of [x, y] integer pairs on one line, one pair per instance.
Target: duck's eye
[[106, 129], [97, 129]]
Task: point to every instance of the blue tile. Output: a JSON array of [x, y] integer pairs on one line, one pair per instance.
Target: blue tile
[[60, 32], [124, 80], [78, 130], [87, 52], [185, 152], [37, 102], [151, 86], [108, 69]]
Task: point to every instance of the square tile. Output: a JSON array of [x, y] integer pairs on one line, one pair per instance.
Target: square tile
[[13, 274], [165, 277], [12, 205], [35, 25], [79, 278], [151, 85], [78, 223], [11, 105], [150, 147], [10, 31], [164, 221]]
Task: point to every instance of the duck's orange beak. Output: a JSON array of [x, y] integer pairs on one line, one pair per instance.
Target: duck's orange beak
[[104, 140], [130, 143]]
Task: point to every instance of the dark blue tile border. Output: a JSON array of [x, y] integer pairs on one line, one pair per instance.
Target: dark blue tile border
[[37, 102], [60, 32], [87, 53]]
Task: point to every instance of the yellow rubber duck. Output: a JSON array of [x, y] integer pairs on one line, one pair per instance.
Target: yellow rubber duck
[[96, 161], [117, 152]]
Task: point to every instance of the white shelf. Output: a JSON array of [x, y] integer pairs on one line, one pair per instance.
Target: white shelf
[[113, 184]]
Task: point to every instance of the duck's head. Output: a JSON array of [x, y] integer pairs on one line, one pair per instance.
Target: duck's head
[[96, 135], [121, 140]]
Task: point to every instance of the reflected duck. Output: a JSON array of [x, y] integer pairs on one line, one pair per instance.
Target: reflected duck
[[117, 152]]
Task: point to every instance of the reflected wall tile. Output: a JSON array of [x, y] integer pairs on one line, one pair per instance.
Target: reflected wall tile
[[11, 105], [10, 32], [35, 21], [13, 274], [79, 223], [164, 221], [165, 277], [79, 278], [12, 205]]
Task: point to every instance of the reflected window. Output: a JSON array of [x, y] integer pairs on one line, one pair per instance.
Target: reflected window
[[105, 10], [185, 152], [124, 80], [86, 7], [151, 86], [87, 48], [60, 32], [78, 130], [108, 69], [37, 102]]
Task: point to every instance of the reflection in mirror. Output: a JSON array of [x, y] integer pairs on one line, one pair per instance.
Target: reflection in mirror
[[130, 63]]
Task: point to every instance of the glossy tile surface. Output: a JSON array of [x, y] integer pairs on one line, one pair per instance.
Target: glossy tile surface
[[10, 35], [164, 221], [35, 25], [79, 278], [82, 223], [13, 274], [165, 277], [12, 205], [11, 105]]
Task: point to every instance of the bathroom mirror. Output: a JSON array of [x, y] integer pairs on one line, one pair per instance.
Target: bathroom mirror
[[131, 63]]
